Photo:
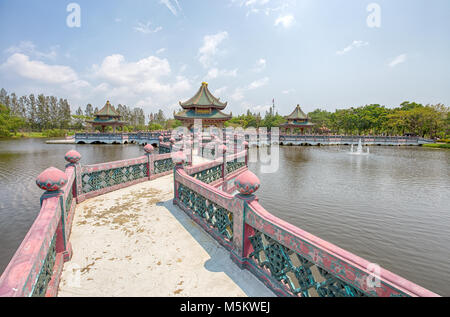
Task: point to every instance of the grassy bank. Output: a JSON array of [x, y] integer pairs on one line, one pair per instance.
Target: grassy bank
[[438, 145], [55, 133], [35, 135]]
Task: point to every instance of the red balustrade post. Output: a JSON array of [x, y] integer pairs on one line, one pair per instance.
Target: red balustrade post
[[149, 149], [247, 184], [52, 180]]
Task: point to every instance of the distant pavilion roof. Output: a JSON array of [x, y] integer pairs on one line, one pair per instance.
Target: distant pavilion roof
[[203, 99], [191, 114], [107, 116], [107, 110], [297, 114]]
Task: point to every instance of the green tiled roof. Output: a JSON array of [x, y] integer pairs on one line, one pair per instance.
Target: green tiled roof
[[297, 114], [106, 121], [203, 99], [107, 110], [299, 124], [191, 114]]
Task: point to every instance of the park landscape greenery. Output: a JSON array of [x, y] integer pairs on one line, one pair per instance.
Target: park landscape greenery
[[48, 116]]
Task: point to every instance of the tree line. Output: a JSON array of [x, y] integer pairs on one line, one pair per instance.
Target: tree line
[[49, 113], [409, 118], [53, 116]]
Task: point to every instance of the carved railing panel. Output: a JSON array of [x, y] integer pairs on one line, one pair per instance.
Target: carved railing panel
[[302, 276], [235, 165], [93, 181], [46, 271], [68, 202], [209, 175], [164, 150], [162, 166], [214, 215]]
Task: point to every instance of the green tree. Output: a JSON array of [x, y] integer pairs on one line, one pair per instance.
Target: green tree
[[9, 123]]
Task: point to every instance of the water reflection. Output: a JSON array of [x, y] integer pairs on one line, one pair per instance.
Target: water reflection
[[391, 207]]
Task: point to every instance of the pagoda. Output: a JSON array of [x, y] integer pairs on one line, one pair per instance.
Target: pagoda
[[296, 120], [205, 107], [107, 117]]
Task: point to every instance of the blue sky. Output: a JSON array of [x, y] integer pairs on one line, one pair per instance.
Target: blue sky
[[152, 54]]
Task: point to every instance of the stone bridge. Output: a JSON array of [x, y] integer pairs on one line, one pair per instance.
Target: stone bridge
[[178, 224]]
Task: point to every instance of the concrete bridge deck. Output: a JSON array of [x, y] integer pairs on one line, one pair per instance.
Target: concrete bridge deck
[[135, 242]]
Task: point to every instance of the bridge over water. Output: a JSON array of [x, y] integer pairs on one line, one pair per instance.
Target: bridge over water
[[174, 224], [254, 139]]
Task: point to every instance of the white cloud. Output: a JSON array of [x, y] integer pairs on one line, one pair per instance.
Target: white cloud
[[116, 70], [264, 6], [286, 21], [258, 83], [23, 66], [220, 91], [215, 72], [148, 82], [174, 8], [139, 80], [210, 48], [238, 93], [146, 29], [260, 65], [28, 48], [261, 109], [398, 60], [256, 2], [355, 44], [288, 91], [161, 50]]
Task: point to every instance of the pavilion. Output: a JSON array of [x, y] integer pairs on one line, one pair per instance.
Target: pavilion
[[107, 117], [296, 120], [205, 107]]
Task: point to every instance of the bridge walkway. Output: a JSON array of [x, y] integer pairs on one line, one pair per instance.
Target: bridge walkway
[[135, 242]]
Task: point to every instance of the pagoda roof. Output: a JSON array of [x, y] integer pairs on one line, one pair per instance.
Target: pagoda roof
[[107, 110], [297, 114], [98, 121], [298, 124], [203, 99], [190, 114]]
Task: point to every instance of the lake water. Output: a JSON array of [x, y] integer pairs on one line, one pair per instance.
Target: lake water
[[391, 207]]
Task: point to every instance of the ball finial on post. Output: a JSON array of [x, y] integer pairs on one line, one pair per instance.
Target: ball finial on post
[[247, 183], [51, 180], [73, 157], [149, 149]]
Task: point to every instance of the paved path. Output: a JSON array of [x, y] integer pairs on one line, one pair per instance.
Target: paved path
[[135, 242]]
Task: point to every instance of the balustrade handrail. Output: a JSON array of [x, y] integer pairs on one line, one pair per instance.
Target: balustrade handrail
[[26, 273], [343, 266], [114, 164], [218, 161], [285, 233]]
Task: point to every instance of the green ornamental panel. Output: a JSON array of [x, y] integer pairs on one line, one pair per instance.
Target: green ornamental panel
[[94, 181], [213, 214], [68, 202], [164, 150], [210, 175], [302, 277], [162, 166], [234, 166], [45, 274]]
